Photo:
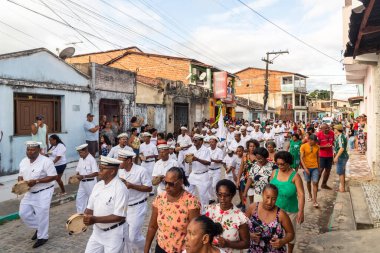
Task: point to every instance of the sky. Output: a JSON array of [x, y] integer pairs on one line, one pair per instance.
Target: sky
[[223, 33]]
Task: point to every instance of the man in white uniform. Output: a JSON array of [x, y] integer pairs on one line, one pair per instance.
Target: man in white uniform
[[107, 210], [87, 171], [183, 139], [161, 167], [216, 155], [148, 155], [277, 134], [257, 134], [199, 174], [244, 135], [282, 135], [123, 141], [237, 142], [230, 135], [138, 184], [268, 135], [40, 173]]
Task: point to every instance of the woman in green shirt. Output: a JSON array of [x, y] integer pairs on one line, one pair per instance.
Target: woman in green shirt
[[294, 150], [291, 195]]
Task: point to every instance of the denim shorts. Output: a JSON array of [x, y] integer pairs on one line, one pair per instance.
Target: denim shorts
[[314, 175], [341, 166]]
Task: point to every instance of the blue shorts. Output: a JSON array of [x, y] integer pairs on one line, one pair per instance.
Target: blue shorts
[[60, 169], [314, 175], [341, 165]]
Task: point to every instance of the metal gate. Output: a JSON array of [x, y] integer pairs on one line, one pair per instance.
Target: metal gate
[[181, 116]]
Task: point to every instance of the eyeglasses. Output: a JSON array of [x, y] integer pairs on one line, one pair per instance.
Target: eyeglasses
[[170, 184], [223, 195]]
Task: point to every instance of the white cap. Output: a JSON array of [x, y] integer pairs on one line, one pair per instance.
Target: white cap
[[31, 144], [162, 146], [172, 146], [108, 161], [205, 129], [146, 134], [229, 150], [124, 153], [122, 135], [268, 127], [280, 122], [232, 126], [246, 123], [213, 137], [237, 132], [80, 147], [214, 131], [198, 137], [183, 128], [257, 125], [243, 128]]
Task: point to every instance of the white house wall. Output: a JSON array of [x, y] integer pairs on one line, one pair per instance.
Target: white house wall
[[74, 107], [40, 67]]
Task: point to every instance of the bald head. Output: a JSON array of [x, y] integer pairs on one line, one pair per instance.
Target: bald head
[[325, 128]]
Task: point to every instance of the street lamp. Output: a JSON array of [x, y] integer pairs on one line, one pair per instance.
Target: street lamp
[[331, 98]]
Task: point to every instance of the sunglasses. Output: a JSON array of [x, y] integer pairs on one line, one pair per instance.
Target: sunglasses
[[170, 184]]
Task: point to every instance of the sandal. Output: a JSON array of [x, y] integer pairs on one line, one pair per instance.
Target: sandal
[[309, 199], [316, 205]]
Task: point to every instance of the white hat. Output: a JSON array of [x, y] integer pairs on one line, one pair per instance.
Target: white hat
[[31, 144], [243, 128], [275, 123], [214, 131], [172, 146], [232, 126], [198, 137], [162, 146], [183, 128], [246, 123], [280, 121], [146, 134], [205, 129], [80, 147], [122, 135], [237, 132], [257, 125], [108, 161], [229, 150], [213, 137], [268, 127], [124, 153]]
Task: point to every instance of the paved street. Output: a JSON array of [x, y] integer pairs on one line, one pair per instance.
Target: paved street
[[16, 237]]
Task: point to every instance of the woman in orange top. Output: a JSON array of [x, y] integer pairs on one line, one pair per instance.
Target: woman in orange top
[[172, 212]]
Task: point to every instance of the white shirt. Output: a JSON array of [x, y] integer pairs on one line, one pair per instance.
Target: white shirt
[[161, 167], [216, 154], [238, 161], [257, 135], [148, 150], [230, 137], [230, 161], [153, 140], [173, 156], [137, 175], [268, 136], [40, 168], [184, 140], [234, 144], [109, 199], [59, 150], [114, 153], [202, 153], [87, 165]]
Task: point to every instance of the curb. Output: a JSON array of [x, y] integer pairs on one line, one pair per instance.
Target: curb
[[54, 203]]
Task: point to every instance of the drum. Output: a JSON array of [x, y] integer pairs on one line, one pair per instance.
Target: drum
[[75, 224], [189, 158], [177, 149], [21, 187], [74, 180]]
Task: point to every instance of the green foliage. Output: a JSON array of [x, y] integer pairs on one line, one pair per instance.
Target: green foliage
[[320, 94]]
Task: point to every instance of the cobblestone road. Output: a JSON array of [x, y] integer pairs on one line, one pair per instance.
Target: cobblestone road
[[15, 237]]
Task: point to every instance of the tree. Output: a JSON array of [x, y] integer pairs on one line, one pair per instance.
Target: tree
[[320, 94]]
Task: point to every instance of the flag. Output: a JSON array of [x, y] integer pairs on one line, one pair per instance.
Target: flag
[[221, 134]]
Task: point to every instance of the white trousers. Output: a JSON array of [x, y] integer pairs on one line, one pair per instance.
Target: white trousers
[[215, 176], [83, 194], [135, 219], [112, 241], [201, 182], [34, 211]]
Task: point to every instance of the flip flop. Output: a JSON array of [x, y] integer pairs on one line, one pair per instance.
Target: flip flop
[[309, 199], [316, 205]]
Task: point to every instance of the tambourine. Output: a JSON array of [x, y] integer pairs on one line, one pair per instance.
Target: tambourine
[[189, 158], [21, 187], [74, 180], [75, 224]]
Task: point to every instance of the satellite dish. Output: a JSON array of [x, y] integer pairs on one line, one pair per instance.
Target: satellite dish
[[202, 76], [66, 53], [188, 77]]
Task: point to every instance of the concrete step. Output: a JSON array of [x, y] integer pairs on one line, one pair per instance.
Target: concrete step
[[361, 212], [342, 218]]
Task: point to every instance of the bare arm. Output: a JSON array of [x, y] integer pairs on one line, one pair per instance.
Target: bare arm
[[140, 188], [301, 198], [289, 231], [47, 179], [204, 162], [152, 229], [249, 183], [241, 169], [95, 174], [34, 129], [243, 243], [89, 219]]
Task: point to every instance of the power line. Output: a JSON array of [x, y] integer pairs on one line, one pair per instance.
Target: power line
[[285, 31], [18, 30]]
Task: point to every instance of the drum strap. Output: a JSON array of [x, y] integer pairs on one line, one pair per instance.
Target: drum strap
[[43, 189]]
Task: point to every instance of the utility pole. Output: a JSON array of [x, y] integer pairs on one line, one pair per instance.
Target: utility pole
[[266, 87]]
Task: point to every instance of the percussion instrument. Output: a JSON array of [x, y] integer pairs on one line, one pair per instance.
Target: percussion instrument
[[20, 187], [177, 149], [74, 180], [75, 224], [189, 158]]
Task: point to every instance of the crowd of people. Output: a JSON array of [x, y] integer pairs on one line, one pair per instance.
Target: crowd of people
[[193, 177]]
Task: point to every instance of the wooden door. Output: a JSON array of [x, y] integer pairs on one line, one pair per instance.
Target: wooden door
[[181, 116]]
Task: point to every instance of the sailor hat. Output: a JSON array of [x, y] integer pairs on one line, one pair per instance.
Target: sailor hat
[[213, 137], [31, 144], [198, 137], [205, 129], [108, 161], [80, 147], [123, 153], [122, 135], [232, 126], [146, 134], [243, 128], [183, 128], [237, 133], [162, 146]]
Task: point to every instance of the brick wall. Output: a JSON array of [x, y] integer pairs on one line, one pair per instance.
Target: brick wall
[[113, 79], [155, 66], [257, 78]]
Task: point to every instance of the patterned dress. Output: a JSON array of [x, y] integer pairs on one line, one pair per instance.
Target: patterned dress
[[260, 176], [230, 221], [268, 231], [172, 220]]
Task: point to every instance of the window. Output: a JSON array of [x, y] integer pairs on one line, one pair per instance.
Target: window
[[287, 80], [28, 106], [303, 100]]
